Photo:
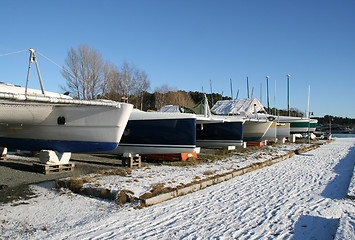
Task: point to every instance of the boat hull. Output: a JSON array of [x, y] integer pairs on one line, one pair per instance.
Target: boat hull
[[158, 133], [300, 125], [271, 133], [67, 128], [254, 129], [219, 134], [313, 125], [283, 130]]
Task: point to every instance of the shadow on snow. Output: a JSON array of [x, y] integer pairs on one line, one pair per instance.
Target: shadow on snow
[[338, 187], [312, 227]]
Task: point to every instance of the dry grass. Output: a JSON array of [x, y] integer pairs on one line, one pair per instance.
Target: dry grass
[[75, 184], [123, 197], [105, 193], [87, 180], [209, 172], [188, 162], [117, 172], [157, 189]]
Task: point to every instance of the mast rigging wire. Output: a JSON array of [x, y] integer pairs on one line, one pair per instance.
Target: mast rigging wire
[[13, 53]]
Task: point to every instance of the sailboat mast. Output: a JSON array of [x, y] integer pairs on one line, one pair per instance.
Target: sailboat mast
[[248, 86], [231, 88], [211, 93], [288, 94], [309, 93], [267, 93], [261, 93], [275, 99]]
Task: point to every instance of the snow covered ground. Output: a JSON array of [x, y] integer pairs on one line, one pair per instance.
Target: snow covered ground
[[302, 197]]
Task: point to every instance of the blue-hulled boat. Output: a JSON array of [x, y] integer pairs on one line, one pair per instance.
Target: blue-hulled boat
[[158, 133], [214, 131]]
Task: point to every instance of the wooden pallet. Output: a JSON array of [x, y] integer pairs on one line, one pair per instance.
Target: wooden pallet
[[133, 161], [46, 168]]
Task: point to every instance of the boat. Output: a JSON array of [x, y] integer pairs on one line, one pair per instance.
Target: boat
[[41, 122], [255, 127], [271, 133], [299, 125], [38, 120], [158, 133], [212, 131], [219, 132], [313, 125]]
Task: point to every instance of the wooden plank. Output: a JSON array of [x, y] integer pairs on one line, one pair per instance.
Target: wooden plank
[[47, 168]]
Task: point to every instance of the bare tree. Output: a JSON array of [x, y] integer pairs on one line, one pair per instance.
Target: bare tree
[[84, 72], [112, 84], [160, 94], [170, 96], [142, 85], [127, 83]]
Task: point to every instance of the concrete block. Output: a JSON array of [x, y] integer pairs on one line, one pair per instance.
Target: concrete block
[[188, 189], [229, 148], [205, 184], [160, 198]]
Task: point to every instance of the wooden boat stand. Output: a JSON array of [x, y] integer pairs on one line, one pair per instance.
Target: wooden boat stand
[[131, 161], [52, 161]]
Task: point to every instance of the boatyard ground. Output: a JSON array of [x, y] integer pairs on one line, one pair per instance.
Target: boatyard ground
[[17, 172], [303, 197]]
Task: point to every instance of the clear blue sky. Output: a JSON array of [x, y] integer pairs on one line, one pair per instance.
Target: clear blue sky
[[186, 43]]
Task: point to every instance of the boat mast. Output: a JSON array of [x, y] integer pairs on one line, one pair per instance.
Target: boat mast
[[288, 94], [275, 99], [267, 93], [212, 93], [309, 94], [261, 93], [309, 120], [33, 59], [231, 89], [248, 86]]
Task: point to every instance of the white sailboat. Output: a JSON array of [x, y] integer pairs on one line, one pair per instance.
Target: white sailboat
[[254, 127], [39, 120]]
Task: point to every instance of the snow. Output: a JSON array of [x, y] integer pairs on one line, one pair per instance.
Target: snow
[[141, 180], [351, 190], [302, 197], [237, 106]]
